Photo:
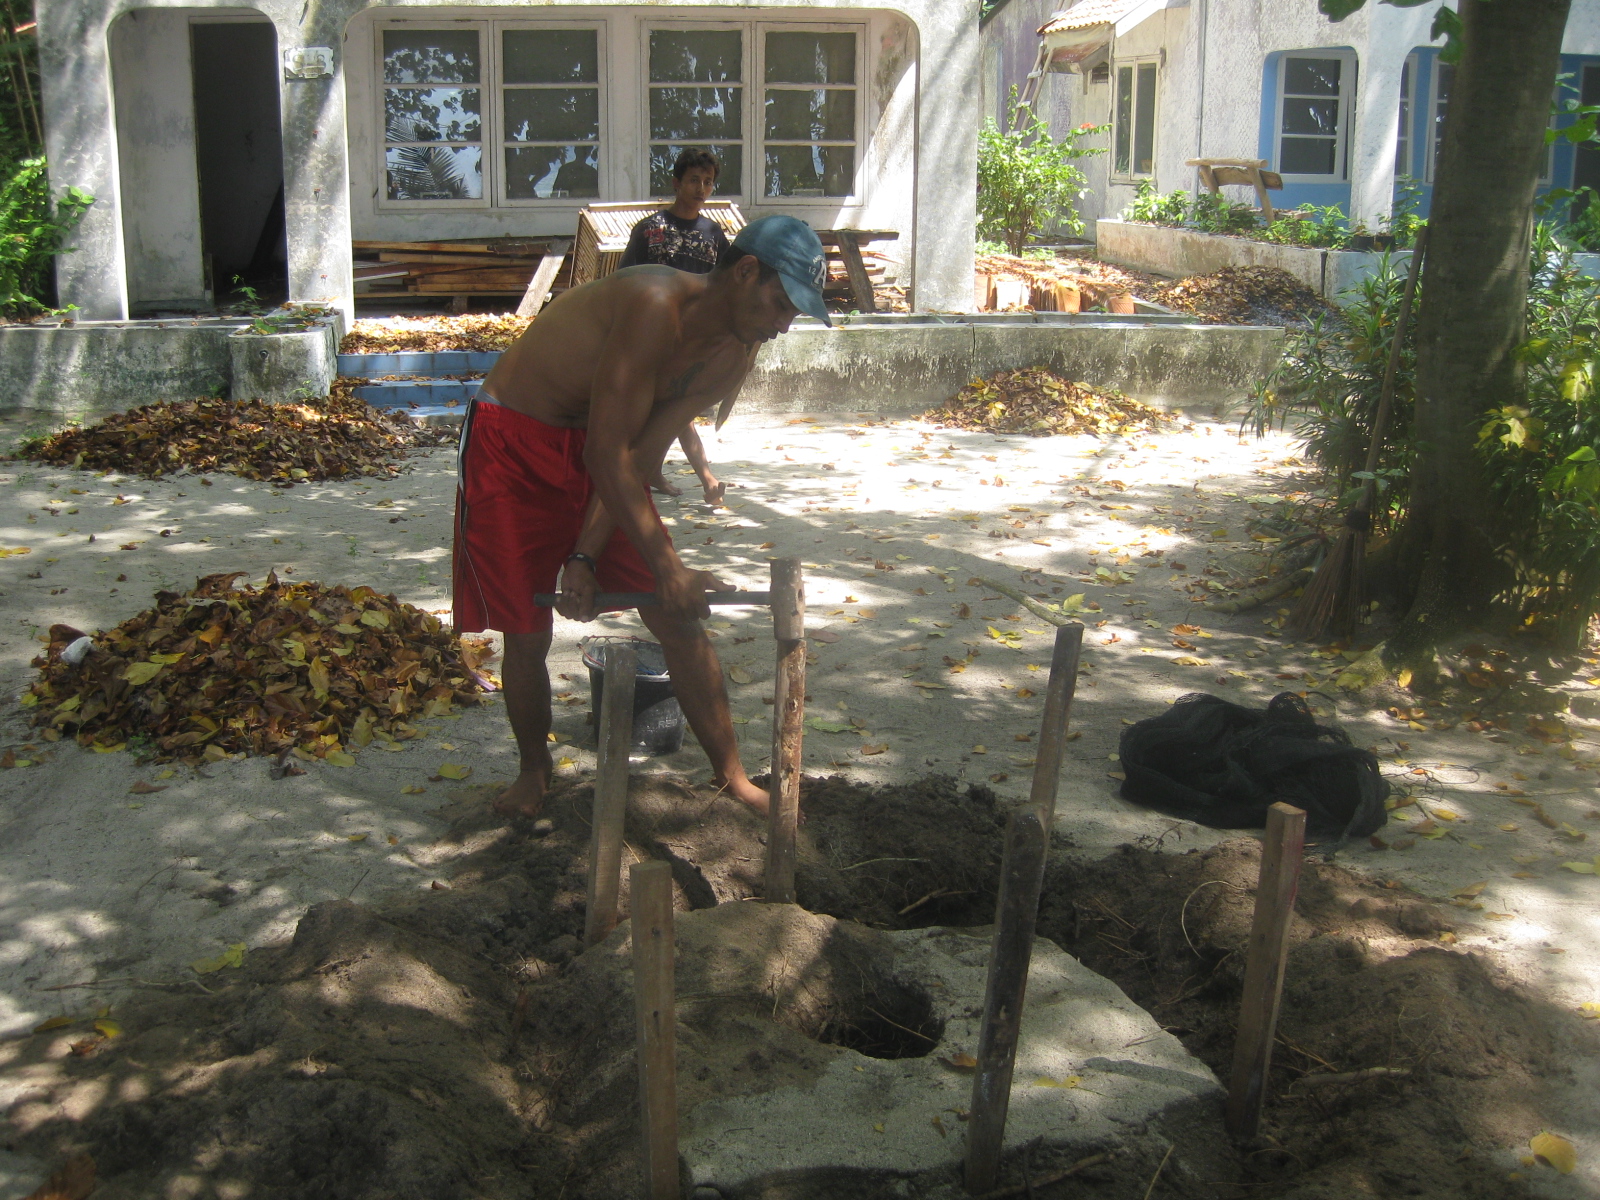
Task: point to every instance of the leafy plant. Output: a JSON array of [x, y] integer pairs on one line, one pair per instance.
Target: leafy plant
[[1027, 178], [33, 229], [1149, 207], [1215, 214]]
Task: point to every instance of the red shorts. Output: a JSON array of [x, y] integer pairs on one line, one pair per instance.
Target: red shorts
[[520, 501]]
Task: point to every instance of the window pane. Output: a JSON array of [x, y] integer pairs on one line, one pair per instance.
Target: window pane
[[1311, 76], [1402, 145], [811, 58], [689, 114], [1144, 121], [731, 159], [434, 172], [552, 56], [552, 172], [1124, 119], [1306, 156], [696, 56], [810, 170], [552, 114], [1316, 117], [430, 56], [441, 114], [824, 115]]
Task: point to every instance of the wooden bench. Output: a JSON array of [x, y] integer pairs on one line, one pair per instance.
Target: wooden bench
[[1251, 172]]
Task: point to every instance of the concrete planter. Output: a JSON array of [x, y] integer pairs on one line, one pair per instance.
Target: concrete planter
[[1182, 252], [286, 362]]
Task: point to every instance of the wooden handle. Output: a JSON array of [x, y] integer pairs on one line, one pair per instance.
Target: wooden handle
[[656, 1023], [788, 728], [610, 808], [1058, 698], [1263, 972], [1017, 912]]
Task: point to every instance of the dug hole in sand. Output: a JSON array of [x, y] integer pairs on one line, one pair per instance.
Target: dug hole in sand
[[458, 1044]]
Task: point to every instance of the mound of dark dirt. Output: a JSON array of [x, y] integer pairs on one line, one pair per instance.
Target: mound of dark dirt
[[438, 1044], [1370, 984]]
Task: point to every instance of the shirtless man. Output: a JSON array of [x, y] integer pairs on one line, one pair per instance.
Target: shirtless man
[[555, 454]]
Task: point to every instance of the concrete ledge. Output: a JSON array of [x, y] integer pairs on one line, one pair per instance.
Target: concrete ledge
[[86, 369], [911, 368], [1182, 252]]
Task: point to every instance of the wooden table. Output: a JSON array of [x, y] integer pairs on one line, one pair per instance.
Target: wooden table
[[847, 244]]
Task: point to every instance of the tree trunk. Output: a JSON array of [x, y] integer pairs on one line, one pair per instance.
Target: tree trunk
[[1475, 285]]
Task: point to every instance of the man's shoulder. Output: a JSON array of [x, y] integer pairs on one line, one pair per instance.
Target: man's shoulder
[[655, 220]]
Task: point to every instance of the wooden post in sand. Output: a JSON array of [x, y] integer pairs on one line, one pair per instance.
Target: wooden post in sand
[[1281, 853], [1016, 914], [788, 715], [610, 793], [1058, 696], [656, 1022]]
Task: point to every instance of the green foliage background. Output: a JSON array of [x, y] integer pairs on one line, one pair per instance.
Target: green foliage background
[[1027, 179]]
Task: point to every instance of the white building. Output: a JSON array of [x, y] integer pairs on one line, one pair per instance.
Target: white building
[[214, 134], [1342, 110]]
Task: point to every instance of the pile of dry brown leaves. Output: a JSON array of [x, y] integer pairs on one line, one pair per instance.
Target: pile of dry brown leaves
[[1240, 296], [334, 438], [288, 666], [1040, 402], [471, 331]]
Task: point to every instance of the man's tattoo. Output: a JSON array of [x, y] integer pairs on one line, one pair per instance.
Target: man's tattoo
[[678, 388]]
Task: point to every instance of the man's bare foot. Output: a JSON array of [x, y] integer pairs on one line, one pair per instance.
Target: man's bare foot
[[660, 484], [525, 796], [748, 794]]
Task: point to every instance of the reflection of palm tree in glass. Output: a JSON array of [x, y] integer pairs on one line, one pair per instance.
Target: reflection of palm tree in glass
[[423, 172]]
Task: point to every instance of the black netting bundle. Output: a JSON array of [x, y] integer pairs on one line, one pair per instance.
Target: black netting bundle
[[1222, 764]]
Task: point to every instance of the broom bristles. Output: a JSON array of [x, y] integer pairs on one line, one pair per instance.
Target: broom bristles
[[1333, 601]]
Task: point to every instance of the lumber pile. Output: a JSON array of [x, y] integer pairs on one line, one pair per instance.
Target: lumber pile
[[486, 267]]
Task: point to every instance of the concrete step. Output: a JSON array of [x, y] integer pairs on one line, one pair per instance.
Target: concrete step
[[402, 393], [433, 363]]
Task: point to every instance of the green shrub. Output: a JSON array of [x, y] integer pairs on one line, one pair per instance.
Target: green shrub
[[1149, 207], [32, 230], [1026, 178]]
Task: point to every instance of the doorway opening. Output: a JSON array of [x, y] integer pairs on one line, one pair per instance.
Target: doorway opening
[[239, 152]]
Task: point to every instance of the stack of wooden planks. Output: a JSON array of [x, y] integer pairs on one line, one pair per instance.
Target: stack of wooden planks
[[485, 267]]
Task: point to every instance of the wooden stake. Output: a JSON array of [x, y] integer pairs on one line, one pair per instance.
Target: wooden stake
[[788, 714], [1021, 878], [651, 889], [539, 286], [1263, 971], [610, 793], [856, 270], [1053, 725]]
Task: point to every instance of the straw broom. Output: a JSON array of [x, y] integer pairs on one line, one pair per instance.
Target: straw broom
[[1335, 598]]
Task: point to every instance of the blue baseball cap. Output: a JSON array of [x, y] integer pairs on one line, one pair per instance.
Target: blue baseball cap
[[791, 247]]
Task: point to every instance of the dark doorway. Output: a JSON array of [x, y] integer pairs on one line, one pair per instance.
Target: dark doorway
[[1586, 161], [239, 147]]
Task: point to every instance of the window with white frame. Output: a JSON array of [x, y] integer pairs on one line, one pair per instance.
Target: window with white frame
[[529, 92], [1315, 90], [1133, 135], [696, 86], [1408, 96], [433, 114], [550, 101], [809, 123]]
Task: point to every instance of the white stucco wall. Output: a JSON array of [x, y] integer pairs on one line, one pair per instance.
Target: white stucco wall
[[155, 150], [920, 83]]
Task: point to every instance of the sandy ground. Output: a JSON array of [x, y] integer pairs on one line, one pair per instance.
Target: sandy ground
[[102, 886]]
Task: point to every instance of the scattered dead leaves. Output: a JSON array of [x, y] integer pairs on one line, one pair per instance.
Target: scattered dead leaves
[[1240, 295], [288, 666], [335, 438], [471, 331], [1035, 401]]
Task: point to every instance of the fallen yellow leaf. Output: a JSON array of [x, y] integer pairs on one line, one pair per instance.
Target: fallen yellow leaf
[[339, 758], [874, 749], [1071, 1081], [63, 1022], [412, 789], [106, 1027], [233, 956], [1555, 1150], [1471, 891], [454, 770]]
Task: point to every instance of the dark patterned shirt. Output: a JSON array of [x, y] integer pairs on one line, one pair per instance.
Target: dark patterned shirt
[[668, 241]]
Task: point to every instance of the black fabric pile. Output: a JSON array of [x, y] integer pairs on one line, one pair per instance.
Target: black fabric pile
[[1223, 765]]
